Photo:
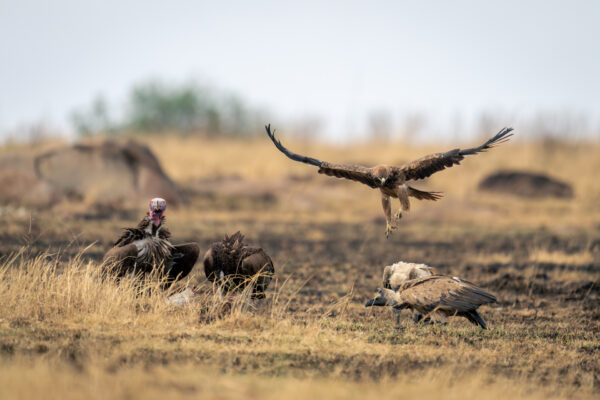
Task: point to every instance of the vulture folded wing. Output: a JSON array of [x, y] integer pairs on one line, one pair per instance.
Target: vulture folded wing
[[120, 260], [118, 254], [463, 296], [428, 165], [423, 293], [129, 236]]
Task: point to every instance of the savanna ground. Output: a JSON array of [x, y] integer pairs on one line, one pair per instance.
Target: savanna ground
[[66, 333]]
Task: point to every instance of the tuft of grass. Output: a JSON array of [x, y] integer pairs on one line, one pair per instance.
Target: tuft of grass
[[63, 324]]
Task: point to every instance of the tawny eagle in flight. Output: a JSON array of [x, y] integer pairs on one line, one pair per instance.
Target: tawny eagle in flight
[[390, 180]]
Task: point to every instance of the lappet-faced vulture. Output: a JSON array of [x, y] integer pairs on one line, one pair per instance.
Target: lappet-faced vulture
[[148, 246]]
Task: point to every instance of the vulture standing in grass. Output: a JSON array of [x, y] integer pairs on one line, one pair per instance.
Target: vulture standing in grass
[[445, 295], [397, 274], [392, 181], [233, 265], [142, 249]]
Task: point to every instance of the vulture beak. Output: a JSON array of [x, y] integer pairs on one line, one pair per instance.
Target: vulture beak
[[157, 209], [377, 301]]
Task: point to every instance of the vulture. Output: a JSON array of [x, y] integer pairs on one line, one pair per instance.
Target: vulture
[[390, 180], [233, 265], [445, 295], [142, 249], [396, 274]]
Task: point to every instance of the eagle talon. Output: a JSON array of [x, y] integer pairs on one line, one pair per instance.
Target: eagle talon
[[388, 229], [391, 180]]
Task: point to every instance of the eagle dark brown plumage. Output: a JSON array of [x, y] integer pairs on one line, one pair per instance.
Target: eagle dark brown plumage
[[390, 180], [234, 265]]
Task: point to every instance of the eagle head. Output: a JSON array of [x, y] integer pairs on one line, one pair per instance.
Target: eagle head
[[382, 173], [157, 209]]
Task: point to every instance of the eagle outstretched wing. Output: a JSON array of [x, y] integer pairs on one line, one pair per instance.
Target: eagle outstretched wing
[[348, 171], [430, 164], [293, 156]]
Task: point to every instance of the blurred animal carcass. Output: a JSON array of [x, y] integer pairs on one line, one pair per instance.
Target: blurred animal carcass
[[94, 172]]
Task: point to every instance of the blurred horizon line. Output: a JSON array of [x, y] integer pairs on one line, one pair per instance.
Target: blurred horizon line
[[195, 108]]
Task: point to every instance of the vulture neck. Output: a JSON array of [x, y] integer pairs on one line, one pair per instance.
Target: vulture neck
[[394, 298], [150, 228]]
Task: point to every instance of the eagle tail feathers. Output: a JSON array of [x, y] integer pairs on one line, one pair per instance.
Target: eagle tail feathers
[[422, 195]]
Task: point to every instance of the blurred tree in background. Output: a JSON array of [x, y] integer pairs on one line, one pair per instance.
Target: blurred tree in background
[[93, 120], [154, 106]]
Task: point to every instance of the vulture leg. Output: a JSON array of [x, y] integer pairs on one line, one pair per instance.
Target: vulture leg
[[182, 261], [428, 319], [397, 315], [417, 317], [402, 193], [120, 260], [387, 209]]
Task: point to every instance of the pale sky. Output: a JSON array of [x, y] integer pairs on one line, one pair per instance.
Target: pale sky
[[338, 60]]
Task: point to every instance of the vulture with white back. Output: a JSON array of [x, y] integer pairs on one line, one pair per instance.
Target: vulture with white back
[[397, 274], [444, 295]]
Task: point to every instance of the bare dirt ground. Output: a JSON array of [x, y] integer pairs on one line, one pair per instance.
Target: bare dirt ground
[[312, 335]]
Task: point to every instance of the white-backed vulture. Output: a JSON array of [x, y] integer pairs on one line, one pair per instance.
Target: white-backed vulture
[[444, 295], [396, 274]]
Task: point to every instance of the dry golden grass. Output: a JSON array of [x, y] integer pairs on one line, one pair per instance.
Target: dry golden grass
[[65, 332], [24, 380]]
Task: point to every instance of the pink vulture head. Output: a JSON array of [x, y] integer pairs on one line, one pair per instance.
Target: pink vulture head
[[157, 209]]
